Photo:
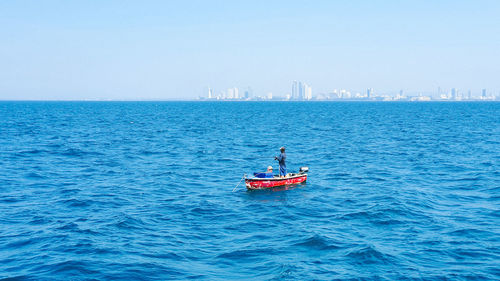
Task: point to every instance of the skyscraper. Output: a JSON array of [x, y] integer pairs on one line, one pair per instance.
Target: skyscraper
[[483, 93], [295, 90], [301, 91], [210, 93], [230, 93], [369, 92], [307, 92], [248, 93], [453, 93]]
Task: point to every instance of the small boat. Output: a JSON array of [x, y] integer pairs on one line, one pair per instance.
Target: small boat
[[266, 182]]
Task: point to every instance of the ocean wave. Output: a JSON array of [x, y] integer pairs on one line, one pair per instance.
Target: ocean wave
[[317, 242], [369, 255], [392, 194]]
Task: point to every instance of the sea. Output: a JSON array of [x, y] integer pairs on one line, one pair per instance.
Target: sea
[[149, 191]]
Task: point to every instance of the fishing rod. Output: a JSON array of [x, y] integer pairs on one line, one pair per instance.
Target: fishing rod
[[250, 158], [242, 178]]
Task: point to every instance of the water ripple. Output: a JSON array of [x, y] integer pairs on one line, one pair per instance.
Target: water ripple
[[143, 191]]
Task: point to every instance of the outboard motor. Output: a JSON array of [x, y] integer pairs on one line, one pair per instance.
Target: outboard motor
[[303, 170]]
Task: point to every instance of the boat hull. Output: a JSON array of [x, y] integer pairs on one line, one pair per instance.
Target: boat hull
[[262, 183]]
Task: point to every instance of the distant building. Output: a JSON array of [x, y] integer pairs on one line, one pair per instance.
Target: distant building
[[420, 98], [453, 93], [483, 93], [248, 93], [210, 93], [369, 92], [230, 93], [335, 94], [301, 91], [307, 92], [269, 96], [346, 94], [295, 90]]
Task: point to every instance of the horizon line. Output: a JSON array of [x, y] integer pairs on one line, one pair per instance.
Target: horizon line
[[233, 100]]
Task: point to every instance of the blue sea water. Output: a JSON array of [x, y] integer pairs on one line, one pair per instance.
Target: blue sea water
[[143, 191]]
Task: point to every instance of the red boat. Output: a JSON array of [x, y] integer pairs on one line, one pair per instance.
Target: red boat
[[291, 178]]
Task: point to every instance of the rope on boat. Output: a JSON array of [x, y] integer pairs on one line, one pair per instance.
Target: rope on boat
[[242, 178]]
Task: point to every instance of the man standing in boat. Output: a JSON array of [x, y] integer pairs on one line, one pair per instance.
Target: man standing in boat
[[281, 160]]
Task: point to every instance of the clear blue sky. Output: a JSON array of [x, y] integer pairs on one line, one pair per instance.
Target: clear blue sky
[[173, 49]]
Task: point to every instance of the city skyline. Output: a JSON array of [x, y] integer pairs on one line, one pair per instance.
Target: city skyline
[[301, 91]]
